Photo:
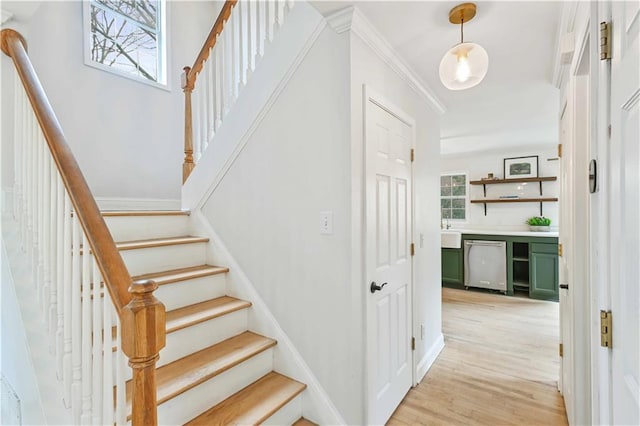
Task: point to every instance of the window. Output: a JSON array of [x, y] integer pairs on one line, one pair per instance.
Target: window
[[126, 37], [453, 196]]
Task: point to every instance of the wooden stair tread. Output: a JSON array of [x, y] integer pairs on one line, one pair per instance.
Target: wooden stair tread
[[182, 274], [112, 213], [304, 422], [203, 311], [159, 242], [188, 372], [253, 404]]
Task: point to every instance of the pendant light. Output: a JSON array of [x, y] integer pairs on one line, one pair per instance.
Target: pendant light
[[465, 64]]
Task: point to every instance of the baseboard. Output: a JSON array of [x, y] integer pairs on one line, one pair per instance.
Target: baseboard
[[317, 406], [429, 358], [111, 203]]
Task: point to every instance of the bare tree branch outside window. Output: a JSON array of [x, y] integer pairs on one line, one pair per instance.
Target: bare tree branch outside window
[[124, 35]]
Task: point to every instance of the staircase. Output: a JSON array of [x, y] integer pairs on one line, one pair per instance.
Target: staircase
[[213, 369]]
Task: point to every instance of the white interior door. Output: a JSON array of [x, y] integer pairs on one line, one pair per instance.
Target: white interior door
[[625, 213], [564, 382], [388, 142]]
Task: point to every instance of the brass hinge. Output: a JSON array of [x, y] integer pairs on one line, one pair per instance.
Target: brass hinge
[[413, 343], [561, 350], [560, 150], [413, 249], [605, 41], [606, 324], [560, 249], [413, 154]]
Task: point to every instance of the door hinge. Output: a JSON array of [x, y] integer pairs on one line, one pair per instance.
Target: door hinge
[[560, 249], [413, 249], [561, 350], [413, 154], [605, 41], [606, 324], [413, 343], [560, 150]]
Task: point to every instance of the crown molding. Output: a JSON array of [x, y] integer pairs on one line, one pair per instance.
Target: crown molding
[[565, 26], [351, 19]]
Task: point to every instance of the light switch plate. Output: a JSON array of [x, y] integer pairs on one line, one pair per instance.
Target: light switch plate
[[326, 223]]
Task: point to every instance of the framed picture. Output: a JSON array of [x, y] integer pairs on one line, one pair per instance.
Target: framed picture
[[521, 167]]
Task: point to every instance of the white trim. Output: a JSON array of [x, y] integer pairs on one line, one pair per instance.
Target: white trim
[[7, 200], [6, 15], [351, 19], [164, 73], [429, 358], [112, 203], [565, 26], [287, 360], [234, 135]]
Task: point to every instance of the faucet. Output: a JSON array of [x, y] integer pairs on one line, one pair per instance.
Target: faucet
[[448, 223]]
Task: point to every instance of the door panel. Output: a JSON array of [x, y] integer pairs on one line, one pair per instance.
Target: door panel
[[388, 141], [625, 197]]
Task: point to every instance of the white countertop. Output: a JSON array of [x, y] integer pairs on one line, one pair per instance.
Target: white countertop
[[510, 233]]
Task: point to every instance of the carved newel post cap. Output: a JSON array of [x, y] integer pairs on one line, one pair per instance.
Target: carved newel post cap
[[143, 324]]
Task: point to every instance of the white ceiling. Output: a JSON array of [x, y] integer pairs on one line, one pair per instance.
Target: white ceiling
[[516, 105]]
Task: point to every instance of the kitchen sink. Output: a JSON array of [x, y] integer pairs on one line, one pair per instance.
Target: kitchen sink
[[450, 239]]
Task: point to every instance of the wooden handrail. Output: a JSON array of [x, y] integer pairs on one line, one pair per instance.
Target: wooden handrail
[[189, 76], [142, 316], [209, 43]]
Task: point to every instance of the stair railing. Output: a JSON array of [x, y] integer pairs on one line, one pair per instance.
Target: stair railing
[[229, 56], [74, 259]]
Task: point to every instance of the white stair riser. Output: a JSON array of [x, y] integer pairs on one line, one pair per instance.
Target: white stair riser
[[192, 339], [184, 293], [130, 228], [288, 414], [156, 259], [197, 400]]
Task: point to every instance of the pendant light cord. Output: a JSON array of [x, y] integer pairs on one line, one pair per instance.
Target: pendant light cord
[[461, 27]]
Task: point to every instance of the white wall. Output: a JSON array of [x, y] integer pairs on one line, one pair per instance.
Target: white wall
[[370, 69], [507, 216], [266, 211], [127, 136]]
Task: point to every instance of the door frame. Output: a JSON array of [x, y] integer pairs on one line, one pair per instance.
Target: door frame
[[370, 95]]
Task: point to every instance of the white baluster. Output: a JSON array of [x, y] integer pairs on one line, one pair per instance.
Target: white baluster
[[46, 232], [17, 146], [39, 216], [239, 13], [195, 99], [76, 321], [210, 99], [121, 371], [202, 112], [226, 72], [53, 251], [288, 5], [276, 14], [98, 345], [67, 302], [107, 370], [60, 240], [90, 290], [258, 33], [268, 23], [250, 40], [217, 51]]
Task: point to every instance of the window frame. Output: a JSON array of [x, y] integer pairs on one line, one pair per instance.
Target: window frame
[[163, 56], [467, 202]]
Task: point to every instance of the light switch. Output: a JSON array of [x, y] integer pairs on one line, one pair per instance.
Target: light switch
[[326, 223]]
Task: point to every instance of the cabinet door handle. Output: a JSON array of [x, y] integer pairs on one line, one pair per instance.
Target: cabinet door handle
[[564, 286]]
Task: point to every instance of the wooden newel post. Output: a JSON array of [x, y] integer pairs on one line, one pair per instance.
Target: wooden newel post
[[187, 88], [143, 335]]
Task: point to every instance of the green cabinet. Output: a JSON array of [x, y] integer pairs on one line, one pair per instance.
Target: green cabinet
[[543, 271], [452, 267]]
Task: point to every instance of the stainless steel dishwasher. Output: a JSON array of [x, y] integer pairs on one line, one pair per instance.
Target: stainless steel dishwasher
[[485, 264]]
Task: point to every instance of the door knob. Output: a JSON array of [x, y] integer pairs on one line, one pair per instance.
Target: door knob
[[375, 287]]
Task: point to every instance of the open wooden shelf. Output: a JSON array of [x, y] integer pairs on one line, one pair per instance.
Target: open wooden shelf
[[515, 200], [518, 180]]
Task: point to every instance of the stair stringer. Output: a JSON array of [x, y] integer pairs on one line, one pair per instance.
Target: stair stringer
[[316, 404], [282, 56]]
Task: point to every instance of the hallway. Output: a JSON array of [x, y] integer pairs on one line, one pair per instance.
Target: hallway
[[499, 365]]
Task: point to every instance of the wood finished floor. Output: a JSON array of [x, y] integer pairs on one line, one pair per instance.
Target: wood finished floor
[[499, 365]]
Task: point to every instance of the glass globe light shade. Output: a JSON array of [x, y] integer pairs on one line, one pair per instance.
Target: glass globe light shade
[[464, 66]]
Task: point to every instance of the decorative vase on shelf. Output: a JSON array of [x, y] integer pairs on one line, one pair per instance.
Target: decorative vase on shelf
[[533, 228]]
